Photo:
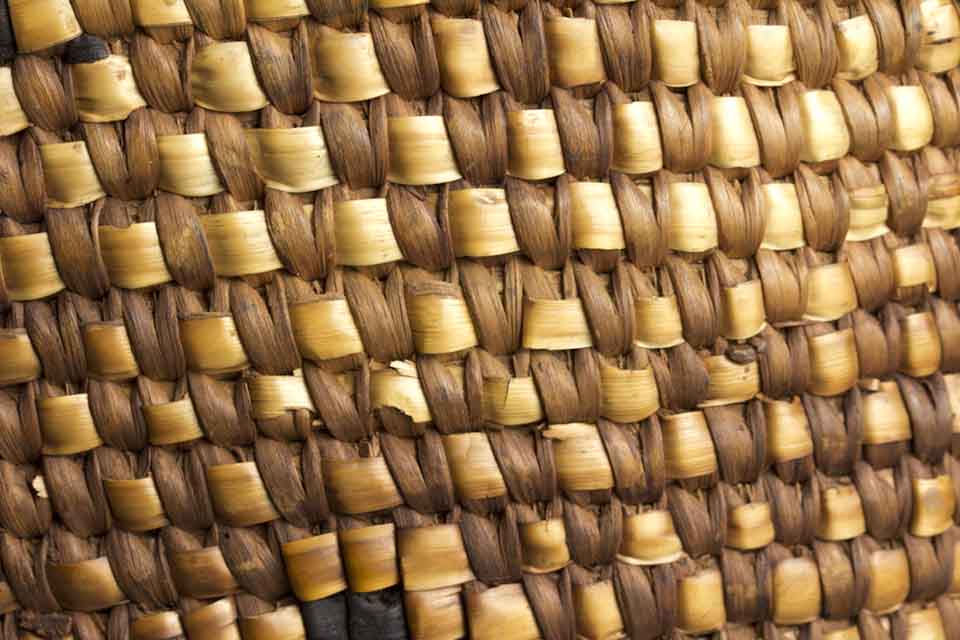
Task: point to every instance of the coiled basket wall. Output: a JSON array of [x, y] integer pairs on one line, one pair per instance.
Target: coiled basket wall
[[498, 319]]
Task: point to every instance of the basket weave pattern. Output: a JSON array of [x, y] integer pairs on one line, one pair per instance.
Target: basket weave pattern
[[500, 319]]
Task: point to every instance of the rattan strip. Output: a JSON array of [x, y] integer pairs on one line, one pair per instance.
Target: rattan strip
[[329, 319]]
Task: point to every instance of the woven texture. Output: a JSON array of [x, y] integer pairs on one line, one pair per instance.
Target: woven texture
[[499, 319]]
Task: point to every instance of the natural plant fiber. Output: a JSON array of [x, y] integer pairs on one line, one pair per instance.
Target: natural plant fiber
[[499, 319]]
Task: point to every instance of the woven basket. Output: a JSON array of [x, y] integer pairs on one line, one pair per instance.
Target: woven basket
[[499, 319]]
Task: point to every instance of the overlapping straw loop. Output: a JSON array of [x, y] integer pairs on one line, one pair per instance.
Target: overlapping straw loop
[[489, 319]]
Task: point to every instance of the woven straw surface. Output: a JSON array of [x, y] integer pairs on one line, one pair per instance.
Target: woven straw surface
[[500, 319]]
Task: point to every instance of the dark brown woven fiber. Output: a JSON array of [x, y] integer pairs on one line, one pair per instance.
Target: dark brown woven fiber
[[488, 319]]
